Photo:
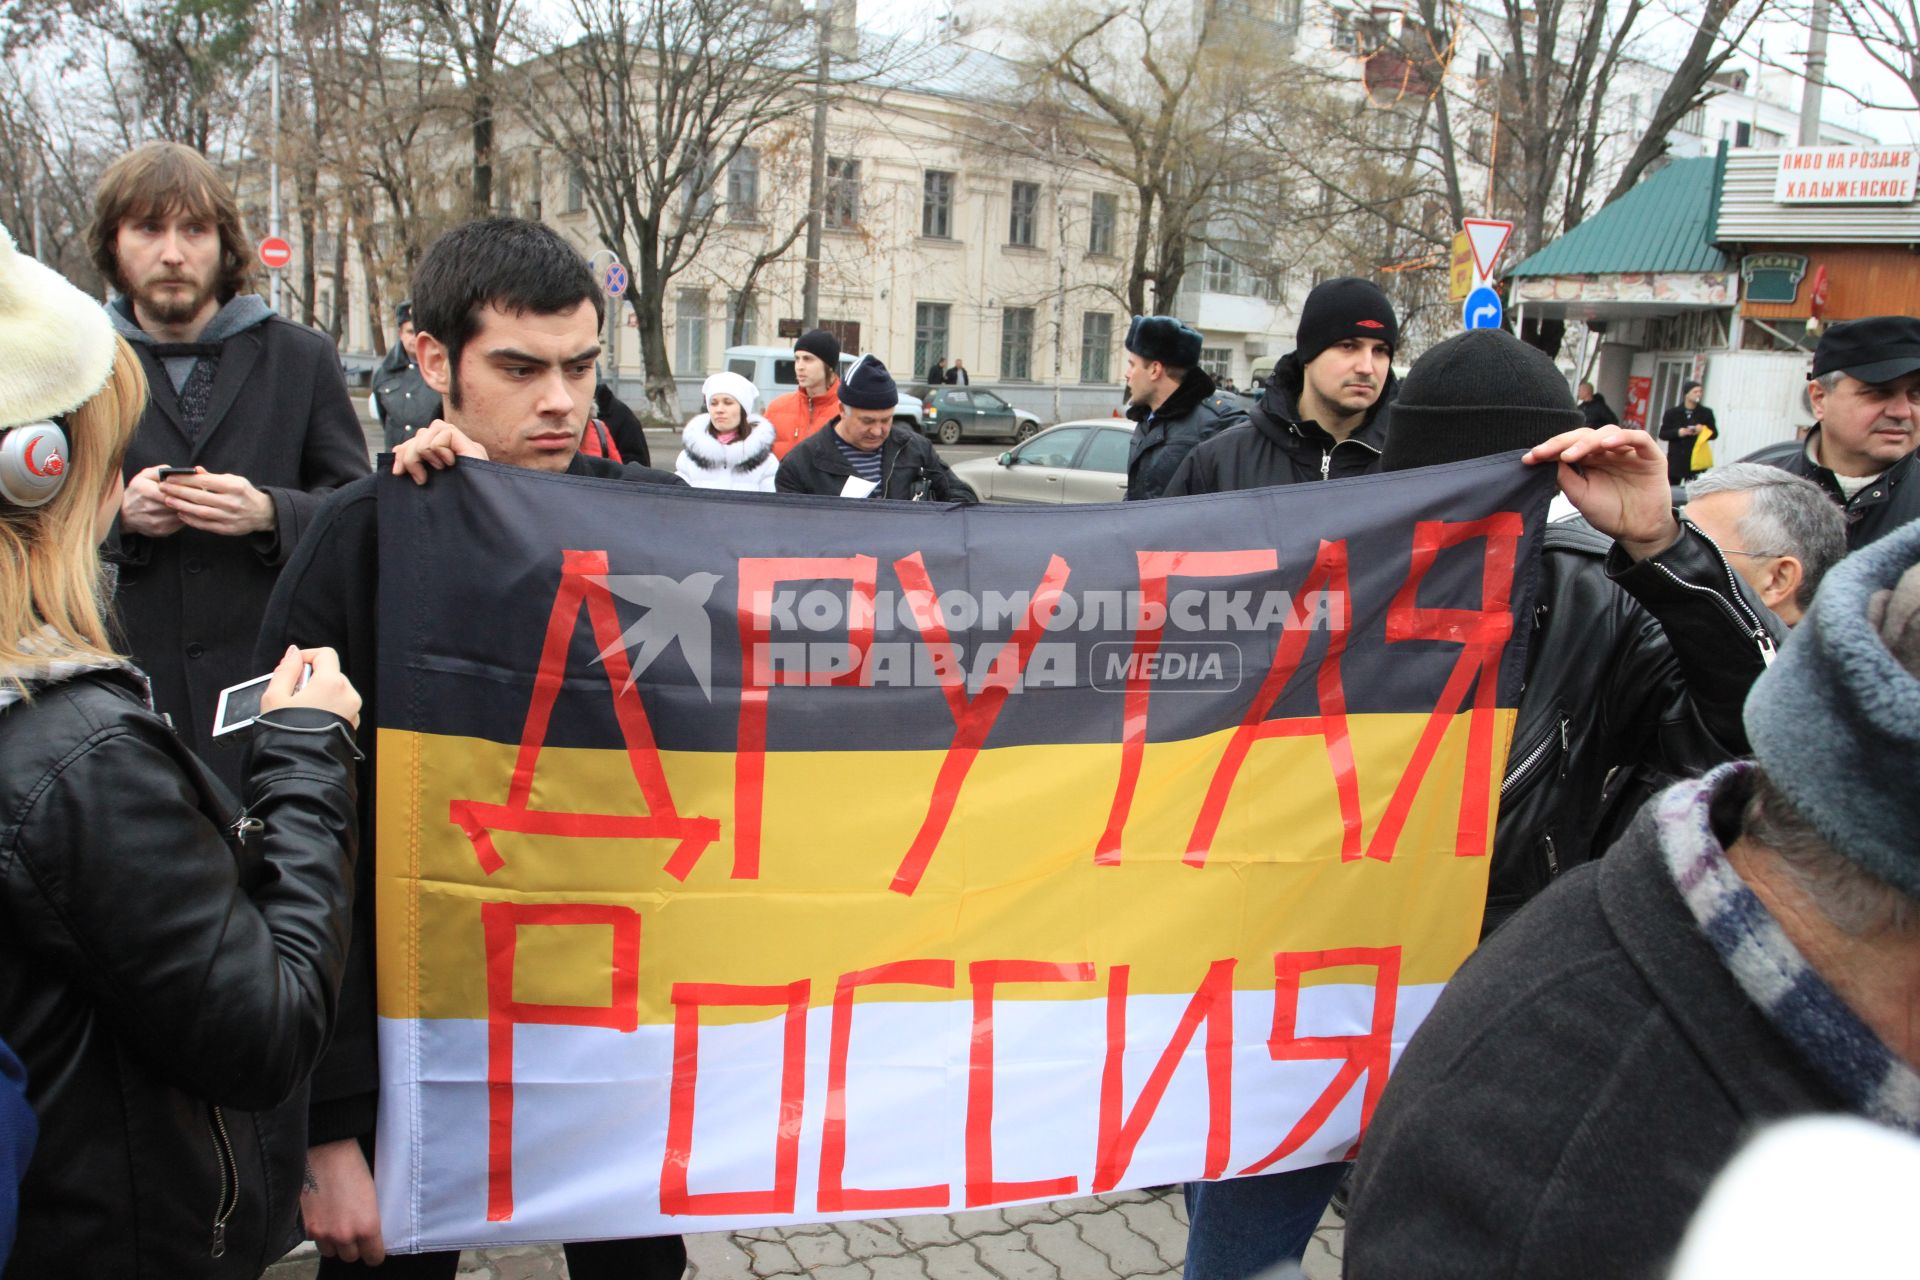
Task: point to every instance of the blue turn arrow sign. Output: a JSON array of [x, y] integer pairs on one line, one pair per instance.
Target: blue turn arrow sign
[[1482, 309]]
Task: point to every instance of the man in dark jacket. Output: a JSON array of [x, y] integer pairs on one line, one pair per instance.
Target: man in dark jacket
[[1644, 646], [402, 400], [1865, 393], [1326, 409], [1749, 952], [1594, 409], [18, 1129], [1681, 427], [1171, 400], [510, 321], [251, 407], [863, 453]]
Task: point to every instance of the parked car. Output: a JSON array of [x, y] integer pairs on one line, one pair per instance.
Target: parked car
[[953, 414], [1082, 461], [770, 370]]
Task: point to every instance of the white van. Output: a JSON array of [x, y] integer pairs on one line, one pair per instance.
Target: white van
[[770, 369]]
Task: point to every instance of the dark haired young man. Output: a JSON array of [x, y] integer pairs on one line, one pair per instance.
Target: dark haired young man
[[253, 403], [508, 320]]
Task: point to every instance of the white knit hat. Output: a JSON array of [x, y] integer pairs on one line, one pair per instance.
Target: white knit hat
[[731, 384], [56, 343]]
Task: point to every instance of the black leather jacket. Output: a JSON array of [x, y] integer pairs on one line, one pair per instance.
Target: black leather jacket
[[908, 463], [1876, 510], [1630, 665], [1275, 447], [167, 982]]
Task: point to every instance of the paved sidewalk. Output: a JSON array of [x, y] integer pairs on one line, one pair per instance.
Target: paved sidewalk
[[1114, 1237]]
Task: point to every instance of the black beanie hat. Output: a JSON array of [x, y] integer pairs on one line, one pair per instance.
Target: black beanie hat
[[1163, 338], [868, 385], [1479, 393], [1347, 307], [818, 342]]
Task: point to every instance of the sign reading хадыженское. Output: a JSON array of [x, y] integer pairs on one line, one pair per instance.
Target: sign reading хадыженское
[[1846, 175]]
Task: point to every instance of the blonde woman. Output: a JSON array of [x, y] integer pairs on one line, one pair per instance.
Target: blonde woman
[[169, 958], [729, 446]]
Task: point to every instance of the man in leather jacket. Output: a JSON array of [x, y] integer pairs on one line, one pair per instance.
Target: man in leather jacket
[[864, 453], [1644, 644], [1171, 400], [1326, 409], [1865, 391]]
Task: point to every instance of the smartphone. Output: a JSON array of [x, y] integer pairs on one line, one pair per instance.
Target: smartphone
[[168, 473], [239, 704]]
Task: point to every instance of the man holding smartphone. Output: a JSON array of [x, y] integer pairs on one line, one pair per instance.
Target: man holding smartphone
[[249, 426]]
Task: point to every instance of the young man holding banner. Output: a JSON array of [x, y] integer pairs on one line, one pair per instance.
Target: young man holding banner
[[509, 319], [1645, 644]]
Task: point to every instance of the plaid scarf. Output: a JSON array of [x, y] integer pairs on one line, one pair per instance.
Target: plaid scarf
[[1826, 1033]]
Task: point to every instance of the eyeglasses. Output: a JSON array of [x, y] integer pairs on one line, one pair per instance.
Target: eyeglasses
[[1755, 555]]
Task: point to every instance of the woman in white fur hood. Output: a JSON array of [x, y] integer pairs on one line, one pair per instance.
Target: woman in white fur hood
[[729, 446]]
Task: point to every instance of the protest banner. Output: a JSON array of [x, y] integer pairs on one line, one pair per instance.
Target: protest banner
[[756, 860]]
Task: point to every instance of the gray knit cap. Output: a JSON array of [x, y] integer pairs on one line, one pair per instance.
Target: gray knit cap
[[1835, 721]]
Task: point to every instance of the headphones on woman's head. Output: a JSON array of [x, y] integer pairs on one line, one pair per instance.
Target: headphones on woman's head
[[33, 462]]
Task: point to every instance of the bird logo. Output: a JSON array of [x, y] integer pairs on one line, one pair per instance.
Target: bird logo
[[674, 609]]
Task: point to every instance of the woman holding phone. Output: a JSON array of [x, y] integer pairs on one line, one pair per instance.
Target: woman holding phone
[[169, 954]]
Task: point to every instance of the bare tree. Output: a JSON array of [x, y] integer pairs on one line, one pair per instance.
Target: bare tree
[[478, 35]]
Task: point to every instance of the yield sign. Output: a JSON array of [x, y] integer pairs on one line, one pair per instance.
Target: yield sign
[[1488, 238]]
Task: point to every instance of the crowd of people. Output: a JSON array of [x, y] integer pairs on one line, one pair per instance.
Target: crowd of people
[[1722, 698]]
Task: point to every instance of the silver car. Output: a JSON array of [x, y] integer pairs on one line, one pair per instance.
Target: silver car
[[1083, 461]]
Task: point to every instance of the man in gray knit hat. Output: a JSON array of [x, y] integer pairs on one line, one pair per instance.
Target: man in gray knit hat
[[1750, 951]]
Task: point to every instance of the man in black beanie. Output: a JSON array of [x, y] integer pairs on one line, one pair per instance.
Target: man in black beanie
[[1325, 412], [1171, 399], [864, 453], [1644, 645], [813, 402]]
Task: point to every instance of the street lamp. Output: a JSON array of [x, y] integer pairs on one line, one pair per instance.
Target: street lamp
[[817, 187]]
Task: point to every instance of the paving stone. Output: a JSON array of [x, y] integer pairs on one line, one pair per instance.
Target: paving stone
[[715, 1255], [526, 1266], [1008, 1256], [926, 1229], [1079, 1204], [906, 1267], [1060, 1244], [1156, 1221], [951, 1262], [850, 1271], [1132, 1254], [980, 1222], [1134, 1196], [814, 1251], [772, 1258], [1024, 1215], [875, 1239]]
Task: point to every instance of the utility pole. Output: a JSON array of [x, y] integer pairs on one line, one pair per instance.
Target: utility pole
[[817, 186], [1816, 76], [273, 213]]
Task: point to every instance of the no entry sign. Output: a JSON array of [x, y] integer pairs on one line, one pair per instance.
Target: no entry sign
[[275, 253]]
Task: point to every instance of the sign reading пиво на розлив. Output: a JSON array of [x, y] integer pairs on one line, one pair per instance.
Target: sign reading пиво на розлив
[[1846, 175]]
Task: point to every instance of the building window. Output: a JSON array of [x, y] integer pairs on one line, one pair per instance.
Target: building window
[[936, 205], [1025, 220], [1218, 271], [741, 328], [1016, 344], [1096, 346], [1343, 33], [930, 321], [743, 186], [1695, 122], [843, 193], [1477, 142], [1217, 361], [690, 331], [1483, 65], [576, 189], [1106, 215]]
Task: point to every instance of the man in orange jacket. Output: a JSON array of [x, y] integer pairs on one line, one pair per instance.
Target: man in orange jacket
[[815, 402]]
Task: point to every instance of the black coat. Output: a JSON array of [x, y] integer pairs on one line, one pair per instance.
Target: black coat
[[1275, 447], [1876, 510], [166, 984], [1598, 413], [402, 400], [1631, 665], [816, 466], [1565, 1107], [1163, 437], [1679, 447], [190, 605], [628, 432], [328, 596]]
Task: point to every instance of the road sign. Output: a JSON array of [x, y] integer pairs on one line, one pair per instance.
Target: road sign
[[615, 280], [1460, 279], [1487, 237], [275, 253], [1482, 309]]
